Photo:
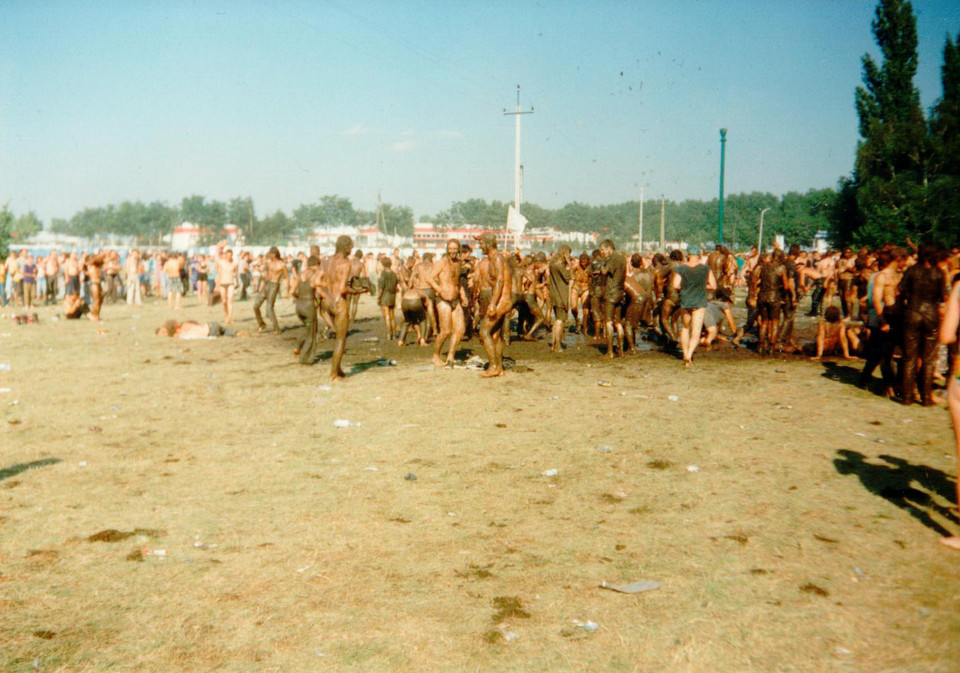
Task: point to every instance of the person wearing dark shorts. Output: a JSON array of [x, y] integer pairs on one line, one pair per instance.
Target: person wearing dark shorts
[[693, 280], [773, 283], [413, 308], [387, 286]]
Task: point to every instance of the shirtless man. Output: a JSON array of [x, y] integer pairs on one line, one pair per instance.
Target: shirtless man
[[834, 335], [226, 281], [274, 268], [131, 272], [846, 288], [190, 329], [772, 283], [310, 281], [111, 267], [171, 269], [93, 271], [532, 278], [336, 288], [580, 293], [499, 282], [558, 277], [445, 281], [884, 320], [670, 303], [71, 293], [418, 280], [615, 272], [693, 281], [52, 269]]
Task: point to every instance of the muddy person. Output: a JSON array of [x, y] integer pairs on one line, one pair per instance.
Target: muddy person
[[418, 281], [884, 320], [413, 308], [274, 269], [305, 292], [614, 270], [558, 278], [445, 281], [922, 289], [692, 280], [93, 271], [501, 304], [772, 283], [387, 286], [580, 293], [337, 287]]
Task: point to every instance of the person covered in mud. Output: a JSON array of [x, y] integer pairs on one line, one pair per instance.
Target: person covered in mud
[[614, 270], [558, 281], [598, 284], [306, 304], [500, 283], [772, 283], [643, 279], [418, 281], [273, 270], [94, 267], [884, 319], [580, 293], [387, 288], [532, 277], [190, 329], [922, 290], [361, 281], [445, 281], [413, 308], [948, 335], [719, 313], [669, 313], [336, 288], [71, 293]]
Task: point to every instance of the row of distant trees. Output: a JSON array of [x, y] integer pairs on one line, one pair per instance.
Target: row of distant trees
[[906, 179], [797, 216]]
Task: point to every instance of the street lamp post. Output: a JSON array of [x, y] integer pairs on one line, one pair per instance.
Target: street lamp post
[[760, 237], [723, 150]]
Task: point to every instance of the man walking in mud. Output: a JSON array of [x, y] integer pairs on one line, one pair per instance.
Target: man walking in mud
[[445, 281], [499, 283], [337, 286], [274, 268]]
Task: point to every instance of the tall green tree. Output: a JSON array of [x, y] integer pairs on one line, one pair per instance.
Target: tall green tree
[[945, 150], [26, 225], [6, 229], [891, 172]]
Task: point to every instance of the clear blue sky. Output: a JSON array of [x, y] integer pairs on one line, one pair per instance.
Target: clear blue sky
[[102, 102]]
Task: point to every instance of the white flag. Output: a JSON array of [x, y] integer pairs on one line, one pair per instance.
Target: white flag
[[516, 222]]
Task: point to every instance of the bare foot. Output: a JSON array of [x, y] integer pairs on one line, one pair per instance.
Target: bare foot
[[296, 351], [437, 361], [953, 542], [422, 342], [688, 363], [400, 343], [490, 373]]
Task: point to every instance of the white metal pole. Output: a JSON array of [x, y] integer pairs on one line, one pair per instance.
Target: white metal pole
[[641, 220], [760, 237]]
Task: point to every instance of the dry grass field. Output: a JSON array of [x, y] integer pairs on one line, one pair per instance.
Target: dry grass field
[[428, 538]]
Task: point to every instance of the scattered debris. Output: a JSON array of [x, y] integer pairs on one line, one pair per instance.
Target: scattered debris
[[370, 469], [604, 384], [842, 651], [604, 449], [552, 472], [387, 363], [586, 626], [410, 476], [633, 587], [673, 398], [344, 423], [692, 468]]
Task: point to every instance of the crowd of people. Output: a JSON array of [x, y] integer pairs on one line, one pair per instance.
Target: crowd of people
[[890, 307]]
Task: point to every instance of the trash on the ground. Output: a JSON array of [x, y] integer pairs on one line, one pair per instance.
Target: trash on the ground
[[509, 636], [153, 552], [370, 469], [554, 397], [842, 651], [5, 390], [387, 363], [673, 398], [82, 463], [553, 472], [200, 545], [859, 573], [303, 569], [693, 468], [604, 384], [604, 449], [410, 476], [372, 339], [344, 423], [15, 403], [4, 367], [324, 387], [632, 588], [474, 362], [860, 434], [586, 626]]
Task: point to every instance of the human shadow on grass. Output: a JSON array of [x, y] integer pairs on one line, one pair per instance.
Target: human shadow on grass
[[14, 470], [850, 374], [894, 482]]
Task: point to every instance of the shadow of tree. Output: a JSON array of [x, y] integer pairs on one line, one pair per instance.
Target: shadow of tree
[[14, 470], [912, 488]]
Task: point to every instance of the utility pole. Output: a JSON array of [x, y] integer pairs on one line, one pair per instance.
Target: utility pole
[[662, 239], [516, 166], [723, 150], [640, 236], [760, 237]]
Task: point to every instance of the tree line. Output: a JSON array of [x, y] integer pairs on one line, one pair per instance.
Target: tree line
[[797, 216], [906, 177]]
